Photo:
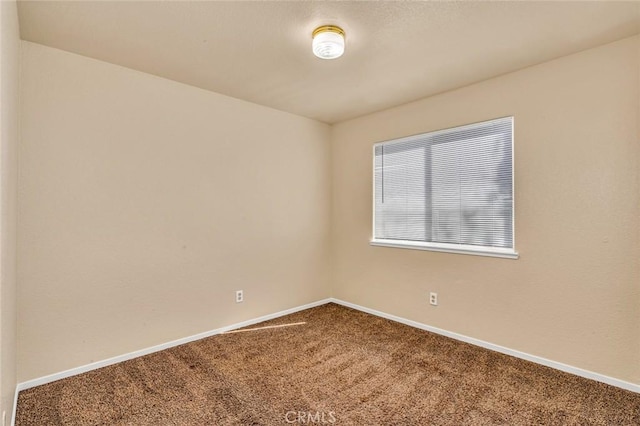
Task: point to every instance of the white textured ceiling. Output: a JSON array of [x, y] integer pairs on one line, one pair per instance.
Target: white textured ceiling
[[396, 52]]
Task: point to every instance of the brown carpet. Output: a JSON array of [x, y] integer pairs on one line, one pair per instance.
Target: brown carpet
[[327, 365]]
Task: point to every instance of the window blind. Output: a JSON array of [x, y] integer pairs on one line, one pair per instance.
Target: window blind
[[453, 186]]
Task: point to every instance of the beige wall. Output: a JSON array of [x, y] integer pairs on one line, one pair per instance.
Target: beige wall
[[9, 79], [144, 204], [574, 294]]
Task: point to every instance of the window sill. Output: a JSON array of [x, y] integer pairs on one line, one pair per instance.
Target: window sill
[[448, 248]]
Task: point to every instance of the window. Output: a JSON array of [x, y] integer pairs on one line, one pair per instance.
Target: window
[[450, 190]]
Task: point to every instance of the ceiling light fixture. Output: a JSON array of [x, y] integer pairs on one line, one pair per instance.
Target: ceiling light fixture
[[328, 42]]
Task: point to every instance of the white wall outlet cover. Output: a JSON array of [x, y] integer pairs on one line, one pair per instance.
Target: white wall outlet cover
[[433, 298]]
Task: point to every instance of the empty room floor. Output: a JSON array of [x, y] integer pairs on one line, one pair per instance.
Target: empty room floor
[[329, 365]]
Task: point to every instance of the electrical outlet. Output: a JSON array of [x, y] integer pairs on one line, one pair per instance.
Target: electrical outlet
[[239, 296], [433, 298]]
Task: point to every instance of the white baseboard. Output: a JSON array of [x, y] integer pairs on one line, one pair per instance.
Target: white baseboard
[[15, 407], [497, 348], [135, 354]]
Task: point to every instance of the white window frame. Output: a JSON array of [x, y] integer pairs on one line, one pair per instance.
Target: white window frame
[[507, 253]]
